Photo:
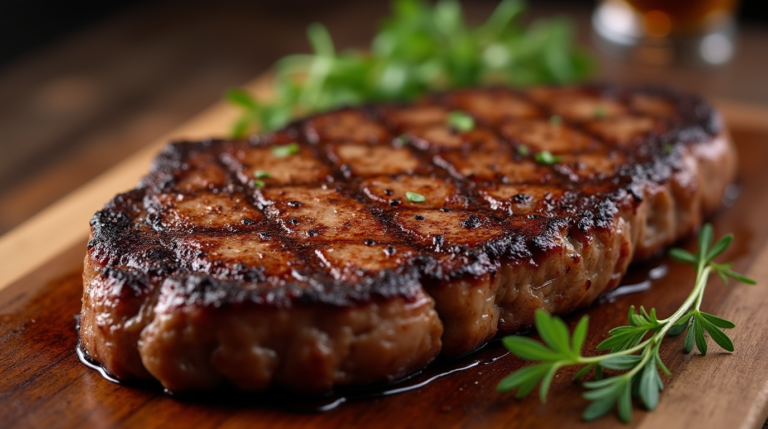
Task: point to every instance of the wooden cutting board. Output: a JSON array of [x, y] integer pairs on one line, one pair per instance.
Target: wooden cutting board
[[43, 384]]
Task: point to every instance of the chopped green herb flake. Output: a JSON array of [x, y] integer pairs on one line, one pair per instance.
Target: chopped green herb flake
[[555, 120], [258, 183], [414, 197], [261, 174], [523, 150], [545, 157], [600, 112], [668, 148], [461, 121], [285, 150], [401, 140]]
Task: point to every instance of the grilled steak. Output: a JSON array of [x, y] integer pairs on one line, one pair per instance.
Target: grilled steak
[[307, 257]]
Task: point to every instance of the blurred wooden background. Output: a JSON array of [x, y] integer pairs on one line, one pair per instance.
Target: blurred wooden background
[[73, 105]]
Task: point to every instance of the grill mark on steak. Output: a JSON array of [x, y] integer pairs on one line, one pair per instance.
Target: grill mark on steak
[[498, 235]]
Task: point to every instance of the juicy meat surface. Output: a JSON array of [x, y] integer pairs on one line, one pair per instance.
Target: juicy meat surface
[[313, 265]]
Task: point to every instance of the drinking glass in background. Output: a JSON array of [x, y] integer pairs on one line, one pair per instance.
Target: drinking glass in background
[[662, 32]]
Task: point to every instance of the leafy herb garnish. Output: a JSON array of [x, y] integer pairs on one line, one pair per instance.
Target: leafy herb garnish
[[261, 174], [414, 197], [285, 150], [422, 47], [545, 157], [523, 150], [630, 350], [460, 121], [555, 120], [258, 183]]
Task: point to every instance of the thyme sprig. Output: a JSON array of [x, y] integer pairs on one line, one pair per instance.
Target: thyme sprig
[[422, 47], [634, 349]]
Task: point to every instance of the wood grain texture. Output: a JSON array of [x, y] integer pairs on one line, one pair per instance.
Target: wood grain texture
[[42, 383]]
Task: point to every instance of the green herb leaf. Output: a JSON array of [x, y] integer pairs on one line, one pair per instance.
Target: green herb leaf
[[580, 335], [583, 371], [320, 40], [739, 277], [523, 150], [414, 197], [649, 385], [285, 150], [625, 403], [681, 325], [552, 330], [240, 128], [683, 256], [524, 380], [241, 98], [689, 338], [546, 382], [461, 121], [718, 321], [620, 362], [598, 384], [261, 174], [722, 276], [716, 334], [555, 120], [705, 240], [546, 158], [720, 246], [660, 363], [698, 333], [258, 183], [607, 393], [598, 408], [623, 338], [529, 349]]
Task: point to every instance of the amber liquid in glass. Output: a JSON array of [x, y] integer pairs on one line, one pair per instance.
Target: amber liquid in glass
[[660, 32], [681, 17]]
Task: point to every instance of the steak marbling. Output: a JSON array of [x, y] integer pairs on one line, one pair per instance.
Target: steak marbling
[[325, 273]]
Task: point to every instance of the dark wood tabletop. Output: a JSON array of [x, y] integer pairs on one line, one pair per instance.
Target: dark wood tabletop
[[82, 104]]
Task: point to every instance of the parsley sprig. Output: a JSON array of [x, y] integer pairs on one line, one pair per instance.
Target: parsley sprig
[[422, 47], [634, 349]]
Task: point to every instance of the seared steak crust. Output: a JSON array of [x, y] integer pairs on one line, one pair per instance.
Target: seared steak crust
[[326, 273]]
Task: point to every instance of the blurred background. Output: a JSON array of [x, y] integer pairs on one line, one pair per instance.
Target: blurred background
[[83, 84]]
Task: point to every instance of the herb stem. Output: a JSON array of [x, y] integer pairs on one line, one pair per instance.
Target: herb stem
[[631, 352], [600, 358], [693, 299]]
